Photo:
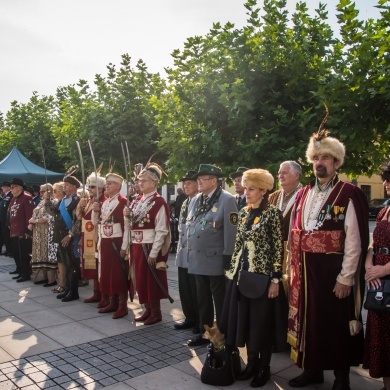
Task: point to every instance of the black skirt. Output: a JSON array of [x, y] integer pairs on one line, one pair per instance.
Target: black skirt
[[259, 323]]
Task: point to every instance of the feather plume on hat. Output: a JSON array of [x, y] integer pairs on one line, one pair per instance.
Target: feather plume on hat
[[152, 170], [68, 178], [71, 170], [321, 143]]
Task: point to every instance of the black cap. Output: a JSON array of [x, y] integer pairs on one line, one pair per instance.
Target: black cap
[[72, 180], [18, 182], [189, 176], [239, 172], [6, 183]]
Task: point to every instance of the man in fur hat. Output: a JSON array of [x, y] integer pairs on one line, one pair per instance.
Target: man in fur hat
[[70, 232], [212, 227], [89, 256], [328, 241], [289, 176], [150, 242], [112, 268]]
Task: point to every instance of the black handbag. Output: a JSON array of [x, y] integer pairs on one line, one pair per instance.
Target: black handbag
[[220, 367], [378, 299], [252, 285]]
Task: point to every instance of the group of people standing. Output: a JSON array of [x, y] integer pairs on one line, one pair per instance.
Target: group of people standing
[[306, 245], [311, 241]]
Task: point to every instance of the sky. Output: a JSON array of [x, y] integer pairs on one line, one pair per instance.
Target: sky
[[45, 44]]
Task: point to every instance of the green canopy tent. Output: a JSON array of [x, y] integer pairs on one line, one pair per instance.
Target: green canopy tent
[[16, 165]]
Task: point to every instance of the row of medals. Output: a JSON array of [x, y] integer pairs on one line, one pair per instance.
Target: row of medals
[[325, 214]]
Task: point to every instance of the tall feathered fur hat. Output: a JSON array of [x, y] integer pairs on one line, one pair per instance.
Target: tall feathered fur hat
[[258, 178], [321, 143]]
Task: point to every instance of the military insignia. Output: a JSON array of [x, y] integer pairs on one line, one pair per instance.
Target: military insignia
[[89, 226], [90, 243], [138, 235], [233, 218], [108, 230], [214, 209]]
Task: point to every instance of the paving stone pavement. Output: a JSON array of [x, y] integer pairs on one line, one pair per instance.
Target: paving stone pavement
[[47, 344]]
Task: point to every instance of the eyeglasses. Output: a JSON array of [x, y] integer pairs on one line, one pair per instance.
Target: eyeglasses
[[143, 181], [202, 180]]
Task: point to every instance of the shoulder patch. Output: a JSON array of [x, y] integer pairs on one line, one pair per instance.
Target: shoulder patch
[[233, 219]]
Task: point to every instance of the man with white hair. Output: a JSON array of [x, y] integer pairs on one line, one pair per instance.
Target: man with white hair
[[113, 270], [289, 176], [89, 254]]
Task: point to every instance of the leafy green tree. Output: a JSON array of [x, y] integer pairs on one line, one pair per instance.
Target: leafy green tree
[[26, 126], [119, 109], [253, 96]]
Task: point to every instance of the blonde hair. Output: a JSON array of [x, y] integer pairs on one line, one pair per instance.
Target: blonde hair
[[59, 186]]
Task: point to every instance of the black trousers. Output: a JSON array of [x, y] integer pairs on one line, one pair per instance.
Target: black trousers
[[21, 249], [72, 266], [210, 292], [187, 292]]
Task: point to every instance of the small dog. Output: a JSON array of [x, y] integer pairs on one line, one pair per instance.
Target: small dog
[[216, 352], [215, 336]]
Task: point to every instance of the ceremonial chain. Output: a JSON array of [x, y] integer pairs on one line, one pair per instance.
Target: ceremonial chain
[[141, 208]]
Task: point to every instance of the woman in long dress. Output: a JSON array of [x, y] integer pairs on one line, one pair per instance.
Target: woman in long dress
[[377, 341], [44, 250], [260, 324]]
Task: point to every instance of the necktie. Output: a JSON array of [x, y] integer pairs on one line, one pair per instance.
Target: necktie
[[205, 199]]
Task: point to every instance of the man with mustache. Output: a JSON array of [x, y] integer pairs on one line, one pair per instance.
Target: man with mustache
[[328, 240]]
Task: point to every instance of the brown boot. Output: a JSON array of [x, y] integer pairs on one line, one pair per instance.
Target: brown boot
[[122, 309], [155, 315], [97, 296], [104, 301], [113, 306], [145, 315]]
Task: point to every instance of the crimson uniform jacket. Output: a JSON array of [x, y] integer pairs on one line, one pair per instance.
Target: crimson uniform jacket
[[20, 211]]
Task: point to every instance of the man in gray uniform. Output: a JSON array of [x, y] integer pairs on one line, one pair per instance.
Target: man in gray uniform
[[211, 231], [187, 283]]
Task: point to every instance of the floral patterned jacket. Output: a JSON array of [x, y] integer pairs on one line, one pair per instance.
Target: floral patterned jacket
[[263, 240]]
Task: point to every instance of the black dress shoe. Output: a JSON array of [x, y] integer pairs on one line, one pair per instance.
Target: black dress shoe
[[261, 378], [306, 378], [22, 279], [50, 284], [196, 341], [184, 325], [63, 294], [43, 281], [16, 272], [16, 277], [71, 296], [250, 371]]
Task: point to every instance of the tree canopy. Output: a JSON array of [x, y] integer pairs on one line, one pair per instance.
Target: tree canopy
[[234, 97]]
